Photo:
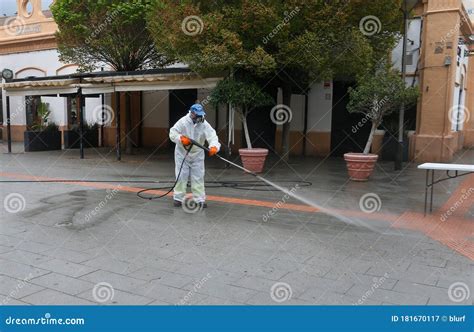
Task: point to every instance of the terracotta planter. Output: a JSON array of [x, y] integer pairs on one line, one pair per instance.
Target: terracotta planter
[[360, 166], [253, 159]]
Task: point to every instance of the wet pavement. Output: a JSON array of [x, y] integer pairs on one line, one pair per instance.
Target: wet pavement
[[97, 242]]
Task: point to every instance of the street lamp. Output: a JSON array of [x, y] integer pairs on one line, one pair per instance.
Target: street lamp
[[407, 7]]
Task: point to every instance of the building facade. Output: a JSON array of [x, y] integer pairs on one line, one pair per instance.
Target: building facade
[[438, 61]]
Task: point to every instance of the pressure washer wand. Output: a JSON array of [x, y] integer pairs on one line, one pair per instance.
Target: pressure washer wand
[[193, 142]]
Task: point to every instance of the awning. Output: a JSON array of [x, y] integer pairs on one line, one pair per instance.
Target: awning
[[108, 82]]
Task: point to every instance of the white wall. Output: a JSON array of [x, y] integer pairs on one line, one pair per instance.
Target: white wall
[[461, 64], [413, 46], [48, 63], [320, 107]]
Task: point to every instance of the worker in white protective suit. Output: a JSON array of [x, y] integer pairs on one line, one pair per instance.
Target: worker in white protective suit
[[192, 126]]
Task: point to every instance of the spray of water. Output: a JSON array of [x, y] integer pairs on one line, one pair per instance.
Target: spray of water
[[331, 212]]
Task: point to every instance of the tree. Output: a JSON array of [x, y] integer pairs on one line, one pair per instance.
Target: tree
[[290, 43], [94, 33], [244, 95], [379, 95]]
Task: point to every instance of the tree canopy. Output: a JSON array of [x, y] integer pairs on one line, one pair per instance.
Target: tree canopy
[[97, 32], [290, 43]]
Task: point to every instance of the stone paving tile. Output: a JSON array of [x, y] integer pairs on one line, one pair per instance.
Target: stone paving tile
[[4, 300], [11, 230], [387, 296], [251, 267], [17, 288], [211, 300], [174, 279], [195, 270], [168, 294], [69, 255], [62, 283], [20, 271], [445, 281], [462, 266], [119, 298], [118, 281], [444, 300], [4, 249], [110, 264], [161, 303], [32, 246], [217, 288], [306, 281], [341, 270], [66, 268], [411, 287], [256, 283], [25, 257], [146, 273], [318, 296], [49, 296], [10, 241], [264, 298]]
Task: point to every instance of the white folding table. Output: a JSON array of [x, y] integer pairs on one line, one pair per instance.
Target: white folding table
[[455, 170]]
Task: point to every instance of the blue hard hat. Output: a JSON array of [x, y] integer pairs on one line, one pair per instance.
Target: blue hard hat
[[198, 109]]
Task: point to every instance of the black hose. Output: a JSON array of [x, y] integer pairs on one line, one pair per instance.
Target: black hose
[[170, 189]]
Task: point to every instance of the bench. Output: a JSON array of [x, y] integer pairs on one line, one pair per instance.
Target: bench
[[452, 171]]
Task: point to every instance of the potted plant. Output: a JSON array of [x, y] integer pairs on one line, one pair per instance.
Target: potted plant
[[244, 95], [90, 134], [43, 135], [376, 97]]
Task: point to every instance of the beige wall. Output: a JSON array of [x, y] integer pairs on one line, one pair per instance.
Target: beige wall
[[444, 21]]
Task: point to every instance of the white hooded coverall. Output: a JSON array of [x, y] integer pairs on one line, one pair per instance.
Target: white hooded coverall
[[194, 164]]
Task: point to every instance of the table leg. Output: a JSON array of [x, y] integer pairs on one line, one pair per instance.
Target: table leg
[[426, 189], [432, 189]]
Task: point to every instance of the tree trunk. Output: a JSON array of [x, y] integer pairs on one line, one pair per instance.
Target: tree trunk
[[371, 137], [128, 124], [246, 129], [285, 139]]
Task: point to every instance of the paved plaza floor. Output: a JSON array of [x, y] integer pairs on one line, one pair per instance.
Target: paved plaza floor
[[98, 243]]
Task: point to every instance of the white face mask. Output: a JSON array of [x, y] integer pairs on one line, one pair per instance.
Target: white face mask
[[197, 118]]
